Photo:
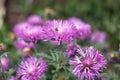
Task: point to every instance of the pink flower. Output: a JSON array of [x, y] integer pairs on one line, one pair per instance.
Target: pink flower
[[83, 29], [32, 68], [59, 31], [35, 20], [98, 36], [5, 63], [89, 64]]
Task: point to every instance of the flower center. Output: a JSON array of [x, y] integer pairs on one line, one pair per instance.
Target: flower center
[[87, 62], [31, 70]]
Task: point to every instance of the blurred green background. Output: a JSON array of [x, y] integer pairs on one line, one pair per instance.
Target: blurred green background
[[101, 14]]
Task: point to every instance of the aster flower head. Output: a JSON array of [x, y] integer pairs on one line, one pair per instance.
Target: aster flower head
[[13, 78], [22, 44], [71, 50], [29, 32], [89, 64], [83, 29], [5, 61], [19, 28], [32, 68], [98, 36], [33, 34], [35, 20], [59, 31]]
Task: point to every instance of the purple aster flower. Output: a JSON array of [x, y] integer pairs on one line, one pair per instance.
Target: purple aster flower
[[19, 27], [13, 78], [34, 33], [21, 44], [83, 29], [59, 31], [71, 50], [98, 36], [5, 63], [28, 32], [89, 64], [32, 68], [35, 20]]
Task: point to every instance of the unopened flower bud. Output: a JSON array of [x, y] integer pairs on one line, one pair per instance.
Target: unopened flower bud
[[3, 47], [27, 51], [91, 47], [12, 36], [5, 63], [60, 77], [113, 58], [49, 11]]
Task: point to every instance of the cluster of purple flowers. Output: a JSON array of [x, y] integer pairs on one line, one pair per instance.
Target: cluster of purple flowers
[[87, 65], [55, 31], [28, 32]]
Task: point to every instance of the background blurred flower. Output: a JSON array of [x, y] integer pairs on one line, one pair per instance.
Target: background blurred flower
[[21, 44], [19, 28], [32, 68], [83, 29], [13, 78], [29, 32], [98, 36], [71, 50], [35, 20], [33, 33], [5, 63]]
